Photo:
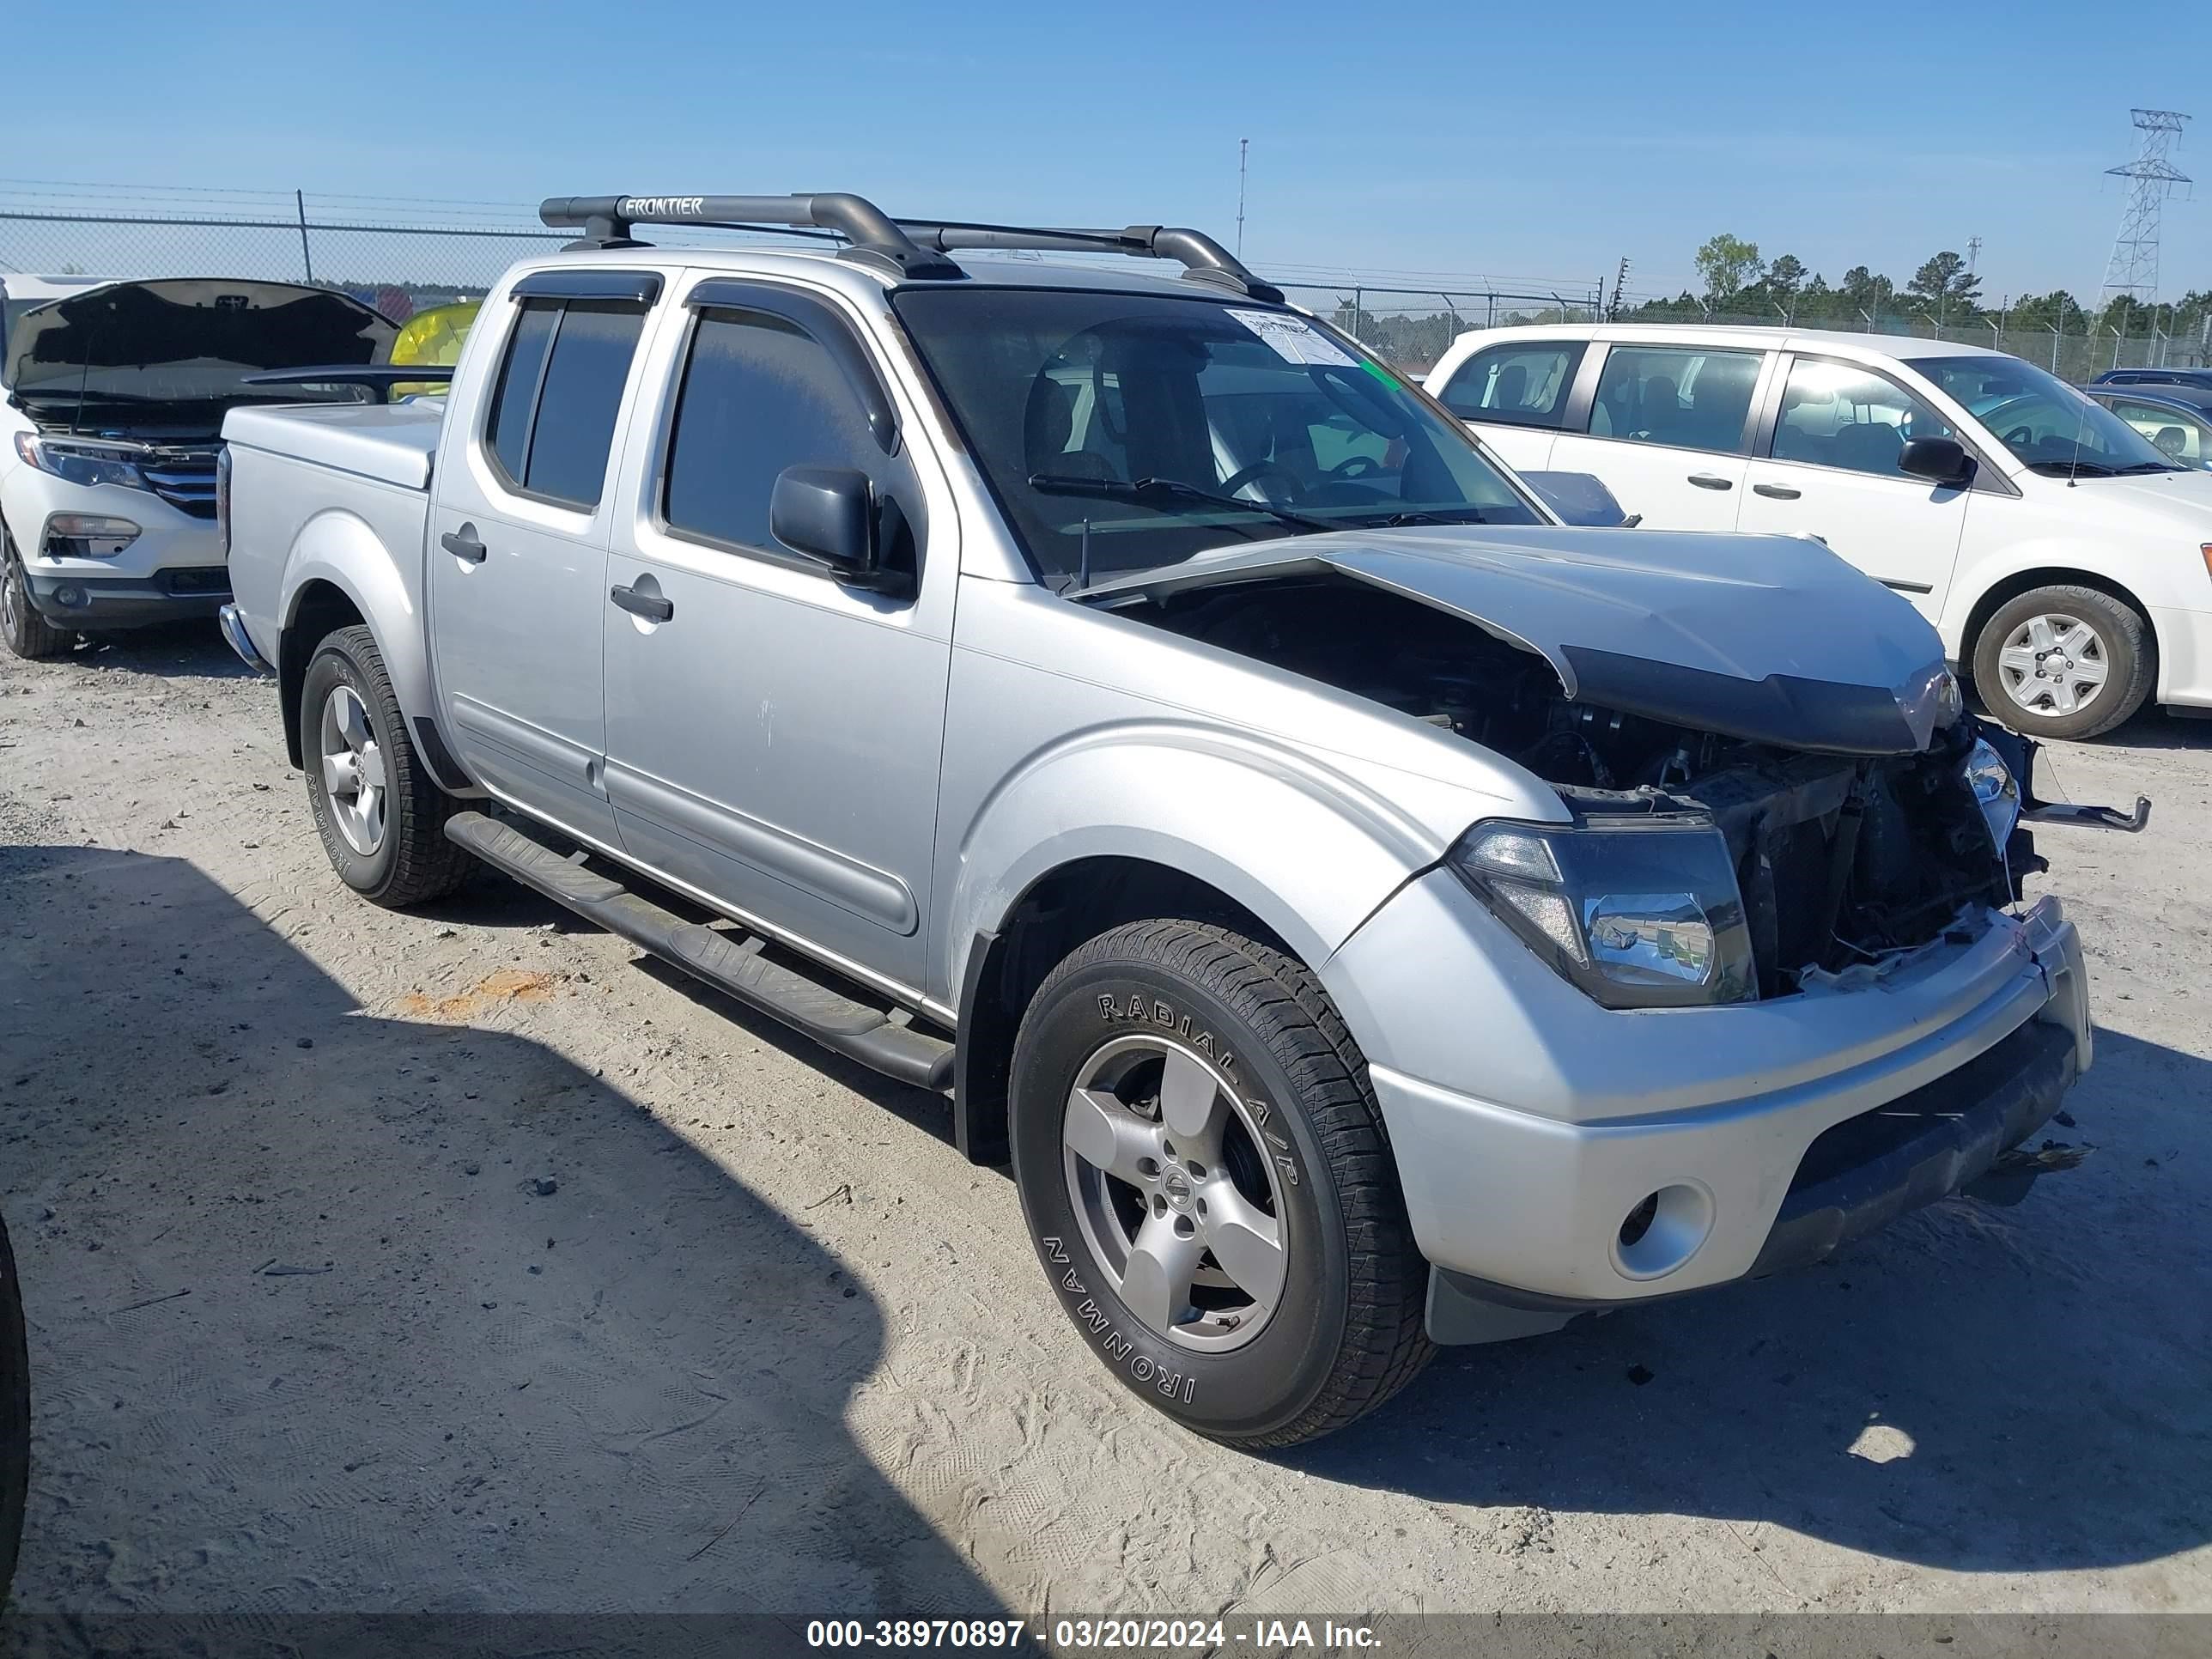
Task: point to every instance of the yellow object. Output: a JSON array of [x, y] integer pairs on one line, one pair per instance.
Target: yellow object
[[432, 337]]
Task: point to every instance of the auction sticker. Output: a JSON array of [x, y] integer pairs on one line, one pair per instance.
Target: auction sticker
[[1293, 338]]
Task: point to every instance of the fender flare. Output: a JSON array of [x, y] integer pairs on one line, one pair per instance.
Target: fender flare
[[338, 548], [1316, 851]]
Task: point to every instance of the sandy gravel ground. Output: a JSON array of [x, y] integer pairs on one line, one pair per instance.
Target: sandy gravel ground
[[462, 1259]]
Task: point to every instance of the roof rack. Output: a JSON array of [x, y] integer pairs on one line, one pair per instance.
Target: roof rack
[[909, 248]]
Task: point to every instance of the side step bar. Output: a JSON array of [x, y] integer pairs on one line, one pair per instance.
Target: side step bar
[[730, 963]]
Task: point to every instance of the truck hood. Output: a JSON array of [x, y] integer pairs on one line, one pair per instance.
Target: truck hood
[[205, 332], [1772, 639]]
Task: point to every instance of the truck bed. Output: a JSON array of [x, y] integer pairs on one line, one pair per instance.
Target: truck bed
[[393, 444]]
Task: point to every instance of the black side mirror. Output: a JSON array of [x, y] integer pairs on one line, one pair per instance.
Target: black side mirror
[[1939, 460], [828, 512]]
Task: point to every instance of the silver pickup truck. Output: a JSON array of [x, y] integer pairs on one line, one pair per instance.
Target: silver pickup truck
[[1366, 911]]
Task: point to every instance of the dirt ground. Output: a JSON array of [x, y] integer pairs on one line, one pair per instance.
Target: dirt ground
[[463, 1260]]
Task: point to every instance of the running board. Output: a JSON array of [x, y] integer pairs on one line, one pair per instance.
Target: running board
[[732, 963]]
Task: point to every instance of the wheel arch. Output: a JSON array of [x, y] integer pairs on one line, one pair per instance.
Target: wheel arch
[[2006, 588], [337, 574], [1077, 841]]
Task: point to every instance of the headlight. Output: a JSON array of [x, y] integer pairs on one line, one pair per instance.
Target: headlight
[[1996, 791], [77, 463], [1643, 912]]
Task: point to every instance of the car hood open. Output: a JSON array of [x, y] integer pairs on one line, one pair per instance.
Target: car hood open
[[217, 327], [1772, 639]]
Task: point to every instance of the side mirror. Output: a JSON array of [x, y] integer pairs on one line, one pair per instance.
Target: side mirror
[[1939, 460], [828, 512], [1578, 498]]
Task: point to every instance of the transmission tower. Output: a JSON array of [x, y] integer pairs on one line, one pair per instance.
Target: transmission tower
[[2133, 268]]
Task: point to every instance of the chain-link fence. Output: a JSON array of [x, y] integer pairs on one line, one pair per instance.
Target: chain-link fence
[[405, 254], [2079, 349], [1411, 326]]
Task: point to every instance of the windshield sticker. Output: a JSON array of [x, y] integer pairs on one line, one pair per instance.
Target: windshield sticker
[[1294, 339]]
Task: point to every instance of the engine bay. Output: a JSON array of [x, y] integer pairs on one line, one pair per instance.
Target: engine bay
[[1841, 859]]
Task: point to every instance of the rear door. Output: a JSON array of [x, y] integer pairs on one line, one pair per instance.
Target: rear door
[[1830, 470], [518, 554], [1514, 396], [1669, 432], [774, 735]]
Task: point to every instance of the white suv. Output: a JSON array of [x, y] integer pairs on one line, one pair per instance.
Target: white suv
[[2062, 557]]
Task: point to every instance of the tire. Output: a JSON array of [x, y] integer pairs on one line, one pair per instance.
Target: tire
[[15, 1417], [29, 635], [1286, 1348], [397, 854], [2081, 628]]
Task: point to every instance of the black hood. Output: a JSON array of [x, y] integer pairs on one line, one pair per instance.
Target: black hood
[[185, 338]]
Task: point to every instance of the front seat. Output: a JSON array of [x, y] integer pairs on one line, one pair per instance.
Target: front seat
[[1513, 387], [1719, 402]]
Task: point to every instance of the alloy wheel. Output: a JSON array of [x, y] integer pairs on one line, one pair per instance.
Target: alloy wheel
[[1176, 1200], [354, 782]]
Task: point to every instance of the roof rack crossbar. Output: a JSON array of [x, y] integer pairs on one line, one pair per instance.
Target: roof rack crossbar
[[905, 247]]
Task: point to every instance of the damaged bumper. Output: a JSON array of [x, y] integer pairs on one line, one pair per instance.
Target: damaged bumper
[[1558, 1157]]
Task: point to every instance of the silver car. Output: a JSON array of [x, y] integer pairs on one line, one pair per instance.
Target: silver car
[[1366, 911]]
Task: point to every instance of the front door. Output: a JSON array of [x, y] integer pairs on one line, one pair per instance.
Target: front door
[[518, 560], [1830, 470], [1668, 433], [774, 735], [1514, 396]]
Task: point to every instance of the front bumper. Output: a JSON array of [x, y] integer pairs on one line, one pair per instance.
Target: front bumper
[[92, 600], [1519, 1189]]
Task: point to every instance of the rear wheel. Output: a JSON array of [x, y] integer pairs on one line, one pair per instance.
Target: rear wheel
[[1206, 1175], [28, 634], [2064, 661], [381, 817]]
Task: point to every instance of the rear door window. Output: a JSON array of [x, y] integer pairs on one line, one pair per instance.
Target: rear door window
[[1684, 397], [552, 422], [1520, 385]]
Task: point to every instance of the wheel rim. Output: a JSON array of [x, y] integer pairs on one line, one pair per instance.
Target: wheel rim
[[11, 594], [2053, 664], [354, 780], [1176, 1202]]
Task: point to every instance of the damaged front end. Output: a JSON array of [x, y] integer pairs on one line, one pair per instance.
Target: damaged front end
[[1717, 862]]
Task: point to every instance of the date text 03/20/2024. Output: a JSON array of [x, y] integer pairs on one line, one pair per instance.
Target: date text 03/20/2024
[[1200, 1634]]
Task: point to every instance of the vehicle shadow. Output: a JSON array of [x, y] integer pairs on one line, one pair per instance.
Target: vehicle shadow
[[332, 1312], [194, 646], [1974, 1388]]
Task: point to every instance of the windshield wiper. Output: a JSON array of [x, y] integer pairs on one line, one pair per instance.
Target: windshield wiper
[[1429, 515], [2072, 469], [1140, 489], [2151, 466]]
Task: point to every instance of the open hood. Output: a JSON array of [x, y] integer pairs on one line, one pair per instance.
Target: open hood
[[1772, 639], [186, 337]]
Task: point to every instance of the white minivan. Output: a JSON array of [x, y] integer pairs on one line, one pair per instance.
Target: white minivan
[[2066, 562]]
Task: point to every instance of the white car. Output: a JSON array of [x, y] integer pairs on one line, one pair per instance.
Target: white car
[[2064, 560], [115, 394]]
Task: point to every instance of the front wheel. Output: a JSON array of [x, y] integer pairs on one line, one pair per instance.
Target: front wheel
[[381, 817], [2064, 661], [1207, 1177], [28, 635]]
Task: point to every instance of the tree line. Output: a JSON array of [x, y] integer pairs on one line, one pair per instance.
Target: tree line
[[1945, 291]]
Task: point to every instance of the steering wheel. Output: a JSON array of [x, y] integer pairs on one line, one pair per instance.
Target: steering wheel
[[1245, 475], [1352, 467], [2019, 435]]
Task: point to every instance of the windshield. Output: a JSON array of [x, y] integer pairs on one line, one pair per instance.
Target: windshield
[[1125, 431], [2044, 422]]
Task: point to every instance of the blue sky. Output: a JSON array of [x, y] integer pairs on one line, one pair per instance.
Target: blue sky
[[1529, 142]]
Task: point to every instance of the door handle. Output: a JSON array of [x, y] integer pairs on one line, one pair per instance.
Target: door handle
[[1708, 481], [462, 544], [1776, 492], [651, 606]]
